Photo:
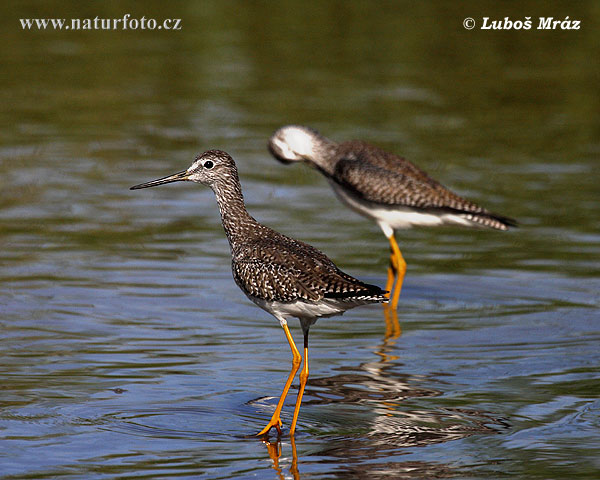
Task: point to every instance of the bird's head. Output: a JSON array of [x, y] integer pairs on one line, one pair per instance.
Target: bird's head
[[208, 168], [294, 143]]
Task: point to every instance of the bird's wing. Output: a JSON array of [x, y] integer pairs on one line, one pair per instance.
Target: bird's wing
[[271, 281], [367, 153], [380, 185], [299, 273]]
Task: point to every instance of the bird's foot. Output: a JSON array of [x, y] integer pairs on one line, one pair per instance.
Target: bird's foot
[[274, 422]]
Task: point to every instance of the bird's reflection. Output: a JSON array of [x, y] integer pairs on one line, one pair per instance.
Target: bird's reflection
[[392, 324], [274, 449], [388, 425]]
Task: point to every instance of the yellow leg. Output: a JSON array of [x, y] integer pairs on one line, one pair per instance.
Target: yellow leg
[[399, 265], [296, 360], [391, 276], [303, 380]]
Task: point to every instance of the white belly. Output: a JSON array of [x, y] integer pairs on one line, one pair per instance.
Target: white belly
[[301, 309], [307, 312], [392, 218]]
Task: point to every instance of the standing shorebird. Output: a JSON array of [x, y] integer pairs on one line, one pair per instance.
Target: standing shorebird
[[384, 187], [283, 276]]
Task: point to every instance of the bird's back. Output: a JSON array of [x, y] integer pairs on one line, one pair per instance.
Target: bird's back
[[271, 266], [385, 179], [376, 156]]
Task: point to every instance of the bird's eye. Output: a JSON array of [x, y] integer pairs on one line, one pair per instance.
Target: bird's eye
[[208, 164]]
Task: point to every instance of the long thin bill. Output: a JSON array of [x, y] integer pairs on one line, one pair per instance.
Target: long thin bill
[[176, 177]]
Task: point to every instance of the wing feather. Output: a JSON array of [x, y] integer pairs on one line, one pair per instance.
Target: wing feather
[[285, 270], [408, 187]]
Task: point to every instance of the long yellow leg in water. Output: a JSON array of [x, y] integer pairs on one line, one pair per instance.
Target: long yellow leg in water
[[303, 380], [391, 276], [296, 360], [399, 264]]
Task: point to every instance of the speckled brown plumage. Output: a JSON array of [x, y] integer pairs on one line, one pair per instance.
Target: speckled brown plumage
[[270, 266], [384, 178], [274, 267], [267, 265], [283, 276], [381, 178]]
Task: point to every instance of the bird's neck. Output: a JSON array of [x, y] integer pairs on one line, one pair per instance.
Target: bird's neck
[[323, 154], [236, 220]]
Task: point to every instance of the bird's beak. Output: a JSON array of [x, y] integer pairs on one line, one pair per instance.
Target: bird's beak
[[176, 177]]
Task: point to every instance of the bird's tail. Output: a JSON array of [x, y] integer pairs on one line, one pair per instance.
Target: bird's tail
[[490, 220]]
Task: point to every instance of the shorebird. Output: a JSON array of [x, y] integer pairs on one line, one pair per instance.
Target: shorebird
[[384, 187], [283, 276]]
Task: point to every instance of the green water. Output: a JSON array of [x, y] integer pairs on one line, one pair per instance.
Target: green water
[[128, 351]]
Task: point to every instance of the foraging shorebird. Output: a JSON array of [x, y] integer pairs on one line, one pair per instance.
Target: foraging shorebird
[[283, 276], [384, 187]]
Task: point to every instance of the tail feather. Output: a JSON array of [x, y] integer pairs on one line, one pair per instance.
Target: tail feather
[[363, 291], [490, 220]]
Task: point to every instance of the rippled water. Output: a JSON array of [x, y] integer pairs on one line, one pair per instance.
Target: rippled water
[[126, 348]]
